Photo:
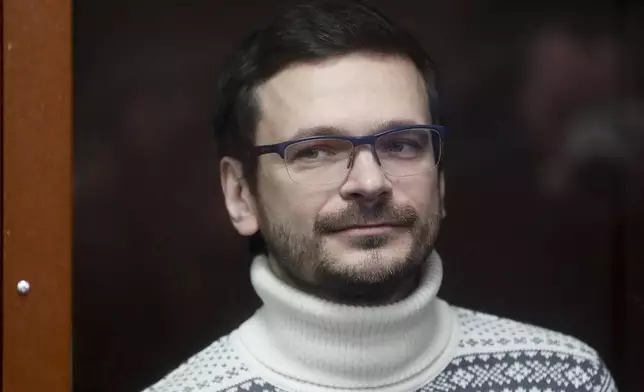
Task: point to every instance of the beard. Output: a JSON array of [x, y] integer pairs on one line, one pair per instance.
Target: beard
[[304, 261]]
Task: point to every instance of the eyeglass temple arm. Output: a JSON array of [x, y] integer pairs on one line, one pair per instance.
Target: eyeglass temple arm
[[270, 149]]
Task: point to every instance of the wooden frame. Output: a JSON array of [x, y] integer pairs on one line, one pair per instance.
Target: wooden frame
[[37, 194]]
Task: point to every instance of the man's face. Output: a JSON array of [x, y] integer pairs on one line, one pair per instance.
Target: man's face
[[301, 224]]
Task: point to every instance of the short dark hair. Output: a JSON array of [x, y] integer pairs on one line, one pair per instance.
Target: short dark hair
[[309, 31]]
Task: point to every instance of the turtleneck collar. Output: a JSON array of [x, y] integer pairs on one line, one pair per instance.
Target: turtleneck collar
[[302, 342]]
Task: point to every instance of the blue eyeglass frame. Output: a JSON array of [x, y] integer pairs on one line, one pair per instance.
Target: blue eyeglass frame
[[280, 148]]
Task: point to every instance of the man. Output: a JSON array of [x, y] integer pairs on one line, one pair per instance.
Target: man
[[326, 121]]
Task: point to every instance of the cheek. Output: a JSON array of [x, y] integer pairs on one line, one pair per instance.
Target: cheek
[[422, 193], [285, 201]]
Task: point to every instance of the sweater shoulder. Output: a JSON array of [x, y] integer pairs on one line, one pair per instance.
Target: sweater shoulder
[[499, 354], [481, 332], [216, 368]]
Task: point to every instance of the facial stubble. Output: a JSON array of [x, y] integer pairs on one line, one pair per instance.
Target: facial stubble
[[304, 262]]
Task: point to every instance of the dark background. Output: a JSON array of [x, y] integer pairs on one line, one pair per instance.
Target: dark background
[[544, 170]]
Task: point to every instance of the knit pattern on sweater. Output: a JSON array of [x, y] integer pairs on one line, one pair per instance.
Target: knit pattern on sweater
[[494, 355]]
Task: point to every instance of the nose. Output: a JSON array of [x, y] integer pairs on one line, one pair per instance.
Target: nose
[[366, 182]]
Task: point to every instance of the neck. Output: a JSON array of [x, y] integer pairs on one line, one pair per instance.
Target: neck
[[304, 342], [393, 288]]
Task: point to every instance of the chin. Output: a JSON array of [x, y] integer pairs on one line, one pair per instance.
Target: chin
[[369, 265]]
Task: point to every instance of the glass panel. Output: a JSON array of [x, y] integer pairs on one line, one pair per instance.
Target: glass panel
[[540, 158]]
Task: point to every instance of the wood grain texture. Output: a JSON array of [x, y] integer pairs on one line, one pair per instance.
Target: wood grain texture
[[37, 194]]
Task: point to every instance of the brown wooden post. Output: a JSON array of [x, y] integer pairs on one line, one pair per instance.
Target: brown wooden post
[[37, 194]]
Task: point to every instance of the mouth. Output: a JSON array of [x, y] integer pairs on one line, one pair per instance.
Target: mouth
[[375, 229]]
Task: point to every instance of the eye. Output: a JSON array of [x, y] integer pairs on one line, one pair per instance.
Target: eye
[[397, 146], [313, 153], [401, 147], [319, 150]]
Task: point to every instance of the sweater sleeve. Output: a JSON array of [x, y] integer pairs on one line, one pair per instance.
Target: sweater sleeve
[[603, 380]]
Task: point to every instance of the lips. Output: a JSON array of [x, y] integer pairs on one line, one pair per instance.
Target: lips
[[370, 227]]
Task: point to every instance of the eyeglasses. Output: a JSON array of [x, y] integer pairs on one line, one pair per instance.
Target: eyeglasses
[[400, 152]]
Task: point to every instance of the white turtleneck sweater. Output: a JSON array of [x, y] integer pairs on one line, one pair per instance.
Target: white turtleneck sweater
[[300, 343]]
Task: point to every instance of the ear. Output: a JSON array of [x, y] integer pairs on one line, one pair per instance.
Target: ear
[[441, 184], [240, 203]]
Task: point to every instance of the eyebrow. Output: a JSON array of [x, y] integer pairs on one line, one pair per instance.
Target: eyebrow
[[325, 130]]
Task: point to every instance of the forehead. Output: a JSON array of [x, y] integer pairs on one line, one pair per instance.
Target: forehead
[[354, 93]]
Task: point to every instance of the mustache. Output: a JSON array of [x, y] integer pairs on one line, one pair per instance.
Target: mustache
[[361, 215]]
